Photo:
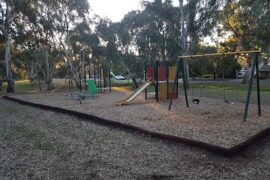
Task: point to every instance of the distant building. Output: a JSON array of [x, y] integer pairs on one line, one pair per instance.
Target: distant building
[[265, 71]]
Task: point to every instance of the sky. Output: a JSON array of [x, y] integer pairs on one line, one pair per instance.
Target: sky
[[115, 9]]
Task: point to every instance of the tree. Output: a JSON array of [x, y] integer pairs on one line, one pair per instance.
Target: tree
[[51, 36], [12, 15], [248, 23]]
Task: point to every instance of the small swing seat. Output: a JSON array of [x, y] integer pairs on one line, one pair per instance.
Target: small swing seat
[[195, 101]]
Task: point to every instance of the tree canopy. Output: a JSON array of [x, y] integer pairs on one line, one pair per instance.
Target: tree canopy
[[43, 39]]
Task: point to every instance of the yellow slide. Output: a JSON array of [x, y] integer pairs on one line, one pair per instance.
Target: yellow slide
[[135, 93]]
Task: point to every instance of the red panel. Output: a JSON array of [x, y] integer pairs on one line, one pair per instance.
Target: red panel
[[162, 73], [150, 72]]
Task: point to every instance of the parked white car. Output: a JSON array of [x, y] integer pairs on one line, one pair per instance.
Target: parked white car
[[241, 73], [119, 77]]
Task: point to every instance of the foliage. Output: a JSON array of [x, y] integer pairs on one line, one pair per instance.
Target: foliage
[[48, 39]]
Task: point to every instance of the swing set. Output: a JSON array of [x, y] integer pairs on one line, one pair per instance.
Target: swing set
[[180, 68]]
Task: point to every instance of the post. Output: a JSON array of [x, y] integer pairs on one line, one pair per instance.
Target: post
[[110, 85], [145, 78], [177, 87], [156, 80], [83, 69], [167, 77], [249, 88], [104, 78], [95, 74], [98, 80], [174, 84], [89, 71], [258, 84], [184, 81]]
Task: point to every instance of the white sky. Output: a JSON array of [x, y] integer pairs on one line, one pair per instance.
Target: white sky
[[115, 9]]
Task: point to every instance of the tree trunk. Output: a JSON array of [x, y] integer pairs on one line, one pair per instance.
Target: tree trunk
[[72, 70], [183, 42], [50, 85], [1, 84], [49, 71], [10, 81], [135, 83]]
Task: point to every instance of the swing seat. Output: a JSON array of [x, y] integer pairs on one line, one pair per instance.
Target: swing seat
[[195, 101]]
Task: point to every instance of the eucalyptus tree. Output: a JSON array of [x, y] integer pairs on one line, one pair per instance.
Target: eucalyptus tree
[[114, 39], [13, 14], [68, 15], [51, 36], [260, 11], [43, 32], [186, 25], [248, 23]]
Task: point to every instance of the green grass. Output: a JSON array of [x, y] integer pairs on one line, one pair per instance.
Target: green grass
[[6, 109], [115, 82], [233, 92], [30, 134], [36, 137], [229, 91], [21, 86], [241, 87]]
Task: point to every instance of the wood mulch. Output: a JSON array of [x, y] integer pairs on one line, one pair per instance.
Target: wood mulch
[[211, 121]]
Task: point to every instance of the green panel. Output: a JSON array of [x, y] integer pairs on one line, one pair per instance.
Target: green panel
[[92, 89]]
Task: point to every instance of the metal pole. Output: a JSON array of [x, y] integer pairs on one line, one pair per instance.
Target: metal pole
[[83, 69], [95, 79], [249, 89], [156, 80], [219, 54], [104, 78], [177, 87], [167, 77], [110, 85], [258, 84], [184, 81], [145, 76], [99, 80], [174, 84]]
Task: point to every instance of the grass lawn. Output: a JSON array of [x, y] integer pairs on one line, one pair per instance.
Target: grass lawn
[[229, 90], [21, 86]]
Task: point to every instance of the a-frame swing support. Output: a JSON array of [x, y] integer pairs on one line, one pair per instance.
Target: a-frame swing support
[[255, 66], [180, 65]]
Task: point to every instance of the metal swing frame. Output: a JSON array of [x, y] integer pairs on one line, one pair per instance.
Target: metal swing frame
[[255, 67]]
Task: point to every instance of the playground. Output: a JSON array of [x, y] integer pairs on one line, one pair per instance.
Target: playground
[[159, 89], [130, 132], [220, 113], [211, 121]]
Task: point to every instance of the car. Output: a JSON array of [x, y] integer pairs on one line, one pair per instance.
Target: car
[[241, 74], [119, 77]]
